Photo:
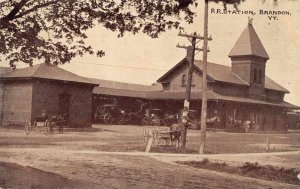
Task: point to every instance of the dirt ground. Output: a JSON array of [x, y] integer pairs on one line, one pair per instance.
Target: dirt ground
[[16, 176], [112, 157]]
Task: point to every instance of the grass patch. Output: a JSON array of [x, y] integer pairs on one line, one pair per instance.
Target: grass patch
[[253, 170], [172, 149]]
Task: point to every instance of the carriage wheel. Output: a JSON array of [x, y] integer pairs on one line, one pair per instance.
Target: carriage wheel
[[108, 119], [35, 127], [27, 126]]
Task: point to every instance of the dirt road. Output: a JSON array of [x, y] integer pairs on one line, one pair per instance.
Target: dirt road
[[119, 171], [79, 157]]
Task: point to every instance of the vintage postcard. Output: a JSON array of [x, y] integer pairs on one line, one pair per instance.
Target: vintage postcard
[[149, 94]]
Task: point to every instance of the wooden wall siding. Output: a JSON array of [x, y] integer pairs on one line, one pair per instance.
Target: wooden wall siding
[[242, 68], [266, 118], [46, 96], [175, 80], [274, 96], [230, 90], [252, 70], [272, 119], [257, 92], [17, 101]]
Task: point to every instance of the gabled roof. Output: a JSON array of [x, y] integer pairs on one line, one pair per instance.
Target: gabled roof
[[116, 88], [182, 62], [249, 44], [215, 72], [5, 70], [223, 73], [272, 85], [125, 86], [163, 77], [44, 71], [119, 92]]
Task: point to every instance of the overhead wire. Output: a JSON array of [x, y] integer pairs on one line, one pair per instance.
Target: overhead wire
[[120, 66]]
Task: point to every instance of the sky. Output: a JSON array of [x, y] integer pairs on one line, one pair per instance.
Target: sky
[[142, 60]]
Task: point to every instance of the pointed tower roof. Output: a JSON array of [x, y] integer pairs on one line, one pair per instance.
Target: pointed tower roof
[[249, 44]]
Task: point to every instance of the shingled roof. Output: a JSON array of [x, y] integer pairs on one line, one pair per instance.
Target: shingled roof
[[249, 44], [223, 73], [125, 86], [220, 73], [116, 88], [44, 71], [4, 70]]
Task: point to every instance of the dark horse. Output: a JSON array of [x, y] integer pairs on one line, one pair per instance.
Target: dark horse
[[175, 133], [57, 121]]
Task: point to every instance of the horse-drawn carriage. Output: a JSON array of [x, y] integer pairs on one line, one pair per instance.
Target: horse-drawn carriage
[[42, 124], [39, 125], [240, 126], [113, 114], [157, 117], [153, 117]]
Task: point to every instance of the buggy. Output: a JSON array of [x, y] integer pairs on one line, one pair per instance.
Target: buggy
[[109, 113], [39, 125], [153, 117], [42, 124]]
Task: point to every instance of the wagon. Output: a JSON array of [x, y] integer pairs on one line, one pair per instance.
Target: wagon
[[108, 113], [153, 117], [39, 125]]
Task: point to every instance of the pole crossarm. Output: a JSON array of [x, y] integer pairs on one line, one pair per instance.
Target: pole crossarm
[[196, 48], [194, 35]]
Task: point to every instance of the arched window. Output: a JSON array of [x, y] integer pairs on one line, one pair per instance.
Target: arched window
[[255, 75], [183, 79], [260, 76]]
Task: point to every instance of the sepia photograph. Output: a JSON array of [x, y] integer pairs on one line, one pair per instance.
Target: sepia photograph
[[121, 94]]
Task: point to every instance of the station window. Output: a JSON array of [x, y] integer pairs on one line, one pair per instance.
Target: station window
[[183, 79]]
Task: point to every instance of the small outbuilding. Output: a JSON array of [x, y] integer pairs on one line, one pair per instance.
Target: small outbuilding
[[27, 92]]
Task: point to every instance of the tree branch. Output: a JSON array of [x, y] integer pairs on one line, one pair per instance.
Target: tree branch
[[14, 11], [36, 8]]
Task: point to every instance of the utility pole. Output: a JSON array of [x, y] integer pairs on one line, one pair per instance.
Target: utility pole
[[204, 85], [190, 58]]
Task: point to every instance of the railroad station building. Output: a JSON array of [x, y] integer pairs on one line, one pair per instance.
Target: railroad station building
[[241, 91]]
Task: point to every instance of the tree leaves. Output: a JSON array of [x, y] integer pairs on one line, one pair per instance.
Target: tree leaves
[[54, 31]]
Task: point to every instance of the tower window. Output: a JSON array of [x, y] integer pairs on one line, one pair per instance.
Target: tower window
[[260, 76], [183, 79], [255, 75]]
